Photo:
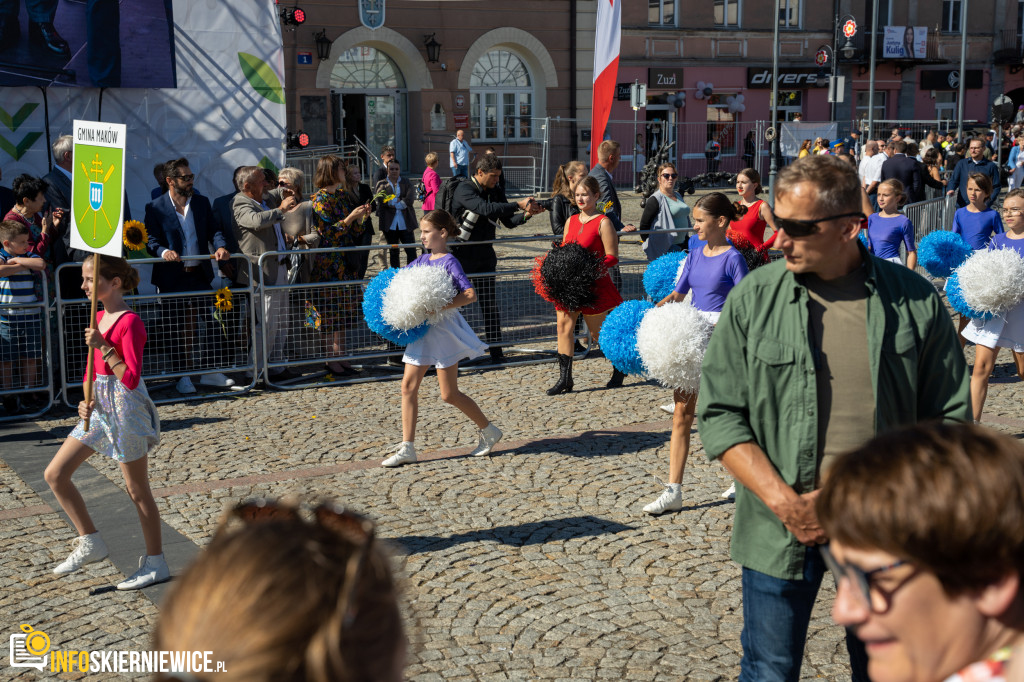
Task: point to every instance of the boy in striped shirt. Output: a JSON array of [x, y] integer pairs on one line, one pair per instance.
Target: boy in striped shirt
[[20, 328]]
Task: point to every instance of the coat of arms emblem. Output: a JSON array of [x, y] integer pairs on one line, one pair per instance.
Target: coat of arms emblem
[[371, 13]]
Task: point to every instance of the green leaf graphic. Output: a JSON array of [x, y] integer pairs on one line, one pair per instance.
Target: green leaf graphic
[[267, 163], [18, 151], [261, 77], [14, 122]]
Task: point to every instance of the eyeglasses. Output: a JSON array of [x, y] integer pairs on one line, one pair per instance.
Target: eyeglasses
[[805, 228], [670, 176], [1012, 211], [186, 178], [348, 525], [867, 594]]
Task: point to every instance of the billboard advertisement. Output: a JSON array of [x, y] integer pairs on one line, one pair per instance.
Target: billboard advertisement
[[906, 42]]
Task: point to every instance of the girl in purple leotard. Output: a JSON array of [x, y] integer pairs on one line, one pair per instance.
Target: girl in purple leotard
[[888, 228]]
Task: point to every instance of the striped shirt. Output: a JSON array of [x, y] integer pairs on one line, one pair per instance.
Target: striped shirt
[[17, 289]]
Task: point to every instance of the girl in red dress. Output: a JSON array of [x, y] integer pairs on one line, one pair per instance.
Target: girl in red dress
[[594, 232], [758, 215]]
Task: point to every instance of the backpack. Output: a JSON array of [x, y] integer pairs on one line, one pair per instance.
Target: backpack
[[421, 191], [446, 194]]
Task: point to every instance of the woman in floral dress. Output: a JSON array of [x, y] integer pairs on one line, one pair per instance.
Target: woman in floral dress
[[339, 222]]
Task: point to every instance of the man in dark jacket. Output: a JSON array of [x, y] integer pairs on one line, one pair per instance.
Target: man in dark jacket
[[974, 163], [905, 169], [480, 195]]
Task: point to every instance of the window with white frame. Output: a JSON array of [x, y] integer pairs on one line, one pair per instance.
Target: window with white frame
[[661, 12], [951, 16], [500, 98], [789, 14], [722, 123], [945, 106], [727, 12]]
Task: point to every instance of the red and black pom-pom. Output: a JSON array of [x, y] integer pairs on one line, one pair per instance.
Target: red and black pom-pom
[[566, 276], [754, 256]]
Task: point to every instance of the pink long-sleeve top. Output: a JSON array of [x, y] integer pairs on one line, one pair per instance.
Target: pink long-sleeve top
[[432, 183], [128, 336], [39, 242]]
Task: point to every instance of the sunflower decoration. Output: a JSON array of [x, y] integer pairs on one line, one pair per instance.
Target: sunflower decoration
[[605, 207], [135, 238], [222, 303], [383, 195]]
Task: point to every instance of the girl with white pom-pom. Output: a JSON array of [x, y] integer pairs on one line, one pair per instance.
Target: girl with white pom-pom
[[888, 228], [976, 222], [1002, 331], [448, 341], [710, 273]]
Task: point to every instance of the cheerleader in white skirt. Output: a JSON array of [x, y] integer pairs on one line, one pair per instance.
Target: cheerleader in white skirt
[[446, 343], [1005, 330]]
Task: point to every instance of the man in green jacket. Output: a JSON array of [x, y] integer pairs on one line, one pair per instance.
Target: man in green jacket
[[812, 357]]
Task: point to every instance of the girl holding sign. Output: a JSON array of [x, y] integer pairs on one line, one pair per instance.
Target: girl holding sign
[[120, 422]]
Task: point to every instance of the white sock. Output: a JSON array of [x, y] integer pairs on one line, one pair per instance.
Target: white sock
[[675, 487]]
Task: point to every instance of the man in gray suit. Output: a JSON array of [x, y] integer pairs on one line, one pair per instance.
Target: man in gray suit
[[608, 156], [259, 221]]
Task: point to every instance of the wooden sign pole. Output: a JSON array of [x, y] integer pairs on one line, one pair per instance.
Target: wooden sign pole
[[92, 325]]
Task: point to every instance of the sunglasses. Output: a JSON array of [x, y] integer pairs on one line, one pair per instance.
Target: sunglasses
[[860, 580], [186, 178], [805, 228], [282, 183], [353, 528], [670, 176]]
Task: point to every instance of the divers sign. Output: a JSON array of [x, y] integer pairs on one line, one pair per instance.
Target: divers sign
[[97, 187], [789, 79]]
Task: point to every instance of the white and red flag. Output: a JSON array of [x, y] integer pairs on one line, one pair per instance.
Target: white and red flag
[[606, 69]]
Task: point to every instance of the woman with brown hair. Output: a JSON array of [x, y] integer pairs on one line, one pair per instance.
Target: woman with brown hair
[[755, 216], [288, 593], [805, 149], [927, 550], [339, 223], [561, 205], [665, 210]]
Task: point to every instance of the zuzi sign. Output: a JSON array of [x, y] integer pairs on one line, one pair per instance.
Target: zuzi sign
[[761, 78], [664, 79]]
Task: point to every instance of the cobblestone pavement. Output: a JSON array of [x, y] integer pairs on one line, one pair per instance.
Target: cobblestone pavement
[[533, 563]]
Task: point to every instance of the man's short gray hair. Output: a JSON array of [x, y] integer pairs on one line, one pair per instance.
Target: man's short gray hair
[[62, 145], [836, 181]]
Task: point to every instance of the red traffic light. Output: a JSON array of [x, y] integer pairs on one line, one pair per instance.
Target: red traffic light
[[293, 16], [303, 140], [299, 15]]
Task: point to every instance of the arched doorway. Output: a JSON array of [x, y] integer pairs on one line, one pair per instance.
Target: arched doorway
[[370, 100]]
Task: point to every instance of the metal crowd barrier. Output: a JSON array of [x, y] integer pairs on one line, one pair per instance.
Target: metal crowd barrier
[[26, 355], [223, 345], [319, 323], [931, 215]]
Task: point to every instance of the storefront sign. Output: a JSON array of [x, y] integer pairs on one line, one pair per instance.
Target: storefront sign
[[949, 79], [794, 79], [461, 121], [622, 91], [906, 42], [664, 79]]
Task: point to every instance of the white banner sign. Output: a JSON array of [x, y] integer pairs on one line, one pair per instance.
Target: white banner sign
[[906, 42]]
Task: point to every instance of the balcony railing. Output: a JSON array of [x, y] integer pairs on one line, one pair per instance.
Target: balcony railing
[[1007, 48]]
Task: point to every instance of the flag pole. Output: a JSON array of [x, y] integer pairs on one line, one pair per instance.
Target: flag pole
[[87, 386]]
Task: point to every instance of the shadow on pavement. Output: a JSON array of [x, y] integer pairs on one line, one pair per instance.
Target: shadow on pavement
[[533, 533]]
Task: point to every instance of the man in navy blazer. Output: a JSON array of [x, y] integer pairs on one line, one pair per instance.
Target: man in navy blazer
[[905, 169], [181, 224]]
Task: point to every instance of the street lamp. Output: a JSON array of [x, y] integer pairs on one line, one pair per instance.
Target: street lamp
[[433, 49], [323, 45], [847, 25]]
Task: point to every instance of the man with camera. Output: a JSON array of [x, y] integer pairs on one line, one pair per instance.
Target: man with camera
[[478, 205]]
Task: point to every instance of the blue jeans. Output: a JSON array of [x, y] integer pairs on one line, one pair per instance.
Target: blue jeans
[[776, 613], [462, 170]]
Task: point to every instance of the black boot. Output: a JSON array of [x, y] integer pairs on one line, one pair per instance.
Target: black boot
[[564, 384], [616, 379]]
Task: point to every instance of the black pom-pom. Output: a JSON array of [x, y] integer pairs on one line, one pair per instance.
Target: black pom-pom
[[566, 276]]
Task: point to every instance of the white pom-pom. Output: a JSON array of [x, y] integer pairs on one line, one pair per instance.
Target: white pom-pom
[[992, 280], [415, 294], [671, 341]]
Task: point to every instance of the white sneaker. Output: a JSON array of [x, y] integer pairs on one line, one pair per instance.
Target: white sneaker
[[670, 408], [730, 494], [406, 455], [489, 435], [152, 570], [184, 385], [670, 500], [216, 379], [88, 549]]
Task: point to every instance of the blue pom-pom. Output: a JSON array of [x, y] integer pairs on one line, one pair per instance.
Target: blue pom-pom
[[618, 335], [955, 295], [863, 237], [660, 275], [373, 303], [942, 252]]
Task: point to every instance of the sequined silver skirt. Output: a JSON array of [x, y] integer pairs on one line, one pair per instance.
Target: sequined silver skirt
[[124, 425]]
